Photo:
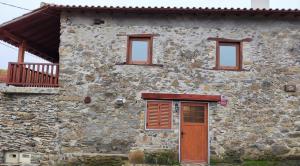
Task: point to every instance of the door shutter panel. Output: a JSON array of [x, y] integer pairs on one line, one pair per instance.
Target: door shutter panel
[[165, 115], [153, 115], [159, 115]]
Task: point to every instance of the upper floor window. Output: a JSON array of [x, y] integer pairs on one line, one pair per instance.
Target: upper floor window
[[229, 56], [139, 49]]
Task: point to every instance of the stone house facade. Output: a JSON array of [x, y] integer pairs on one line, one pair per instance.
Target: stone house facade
[[155, 78]]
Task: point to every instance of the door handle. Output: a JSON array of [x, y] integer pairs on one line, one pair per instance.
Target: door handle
[[182, 133]]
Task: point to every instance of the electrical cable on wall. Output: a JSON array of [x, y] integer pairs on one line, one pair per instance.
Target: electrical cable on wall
[[7, 4], [18, 7]]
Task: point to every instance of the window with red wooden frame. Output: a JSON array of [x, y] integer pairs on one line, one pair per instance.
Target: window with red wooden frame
[[159, 115], [139, 49], [229, 56]]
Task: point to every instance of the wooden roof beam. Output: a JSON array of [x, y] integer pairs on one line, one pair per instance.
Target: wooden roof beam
[[11, 36], [40, 28], [183, 97], [30, 45], [34, 23], [47, 36]]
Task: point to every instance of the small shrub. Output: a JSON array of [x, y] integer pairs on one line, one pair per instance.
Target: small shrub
[[259, 163], [233, 156], [271, 163], [166, 157], [136, 157]]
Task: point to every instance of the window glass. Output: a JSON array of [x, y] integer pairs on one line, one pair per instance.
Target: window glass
[[139, 50], [228, 55], [193, 114]]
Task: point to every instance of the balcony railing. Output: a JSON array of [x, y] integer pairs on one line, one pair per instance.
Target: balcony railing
[[33, 74]]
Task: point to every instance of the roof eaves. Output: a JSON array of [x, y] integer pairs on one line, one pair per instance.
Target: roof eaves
[[173, 8], [33, 12]]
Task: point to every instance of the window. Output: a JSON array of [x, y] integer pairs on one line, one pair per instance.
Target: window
[[139, 49], [229, 56], [193, 114], [159, 115]]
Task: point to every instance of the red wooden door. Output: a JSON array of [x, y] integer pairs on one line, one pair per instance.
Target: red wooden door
[[194, 134]]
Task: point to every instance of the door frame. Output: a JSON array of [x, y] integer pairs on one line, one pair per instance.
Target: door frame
[[208, 133]]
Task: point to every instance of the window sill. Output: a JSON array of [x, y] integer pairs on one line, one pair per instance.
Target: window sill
[[149, 129], [220, 69], [153, 65]]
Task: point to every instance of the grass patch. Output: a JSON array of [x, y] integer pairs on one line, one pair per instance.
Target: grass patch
[[258, 163], [271, 163], [94, 161], [166, 157]]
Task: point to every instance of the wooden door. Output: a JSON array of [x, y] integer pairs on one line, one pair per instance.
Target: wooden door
[[194, 132]]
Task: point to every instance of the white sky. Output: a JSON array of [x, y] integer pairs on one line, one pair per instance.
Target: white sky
[[9, 54]]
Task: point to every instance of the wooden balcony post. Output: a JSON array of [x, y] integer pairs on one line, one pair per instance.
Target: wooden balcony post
[[21, 53]]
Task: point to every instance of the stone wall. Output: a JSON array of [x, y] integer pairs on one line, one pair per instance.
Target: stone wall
[[29, 123], [261, 120]]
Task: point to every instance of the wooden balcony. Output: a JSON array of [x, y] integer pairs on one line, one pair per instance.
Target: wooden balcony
[[33, 74]]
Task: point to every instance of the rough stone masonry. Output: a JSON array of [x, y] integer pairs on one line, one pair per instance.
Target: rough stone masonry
[[261, 120]]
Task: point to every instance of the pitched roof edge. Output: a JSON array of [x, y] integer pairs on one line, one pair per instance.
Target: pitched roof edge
[[162, 8], [47, 6], [38, 10]]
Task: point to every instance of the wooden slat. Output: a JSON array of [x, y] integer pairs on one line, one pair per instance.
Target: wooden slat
[[152, 115], [165, 115], [37, 74], [42, 77], [23, 73], [51, 75], [47, 72], [33, 74], [29, 73], [14, 73], [57, 74], [18, 76]]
